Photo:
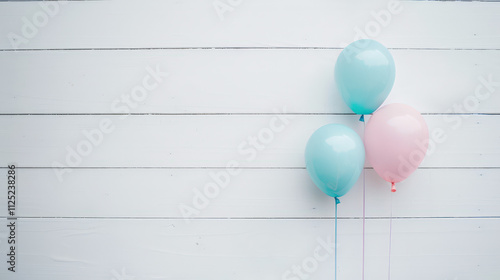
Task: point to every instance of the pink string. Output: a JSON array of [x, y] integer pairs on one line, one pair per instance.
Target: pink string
[[364, 216], [390, 240]]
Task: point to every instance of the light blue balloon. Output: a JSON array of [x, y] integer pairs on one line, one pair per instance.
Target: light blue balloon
[[335, 156], [365, 74]]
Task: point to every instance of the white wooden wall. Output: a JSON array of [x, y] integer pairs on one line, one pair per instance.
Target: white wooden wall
[[116, 213]]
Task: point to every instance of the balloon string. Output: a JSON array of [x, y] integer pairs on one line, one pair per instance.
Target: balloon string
[[337, 201], [364, 216], [390, 240]]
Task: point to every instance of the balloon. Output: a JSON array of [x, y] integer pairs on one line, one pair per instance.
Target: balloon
[[396, 141], [335, 157], [365, 74]]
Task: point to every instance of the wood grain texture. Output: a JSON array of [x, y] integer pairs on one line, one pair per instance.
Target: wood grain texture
[[319, 23], [234, 81], [255, 193], [115, 213], [252, 249], [213, 141]]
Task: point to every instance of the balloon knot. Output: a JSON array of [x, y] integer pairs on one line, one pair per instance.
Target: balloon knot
[[362, 118], [393, 187], [337, 200]]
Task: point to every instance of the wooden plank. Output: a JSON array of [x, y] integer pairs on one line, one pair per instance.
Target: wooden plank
[[262, 193], [170, 24], [216, 141], [228, 249], [234, 81]]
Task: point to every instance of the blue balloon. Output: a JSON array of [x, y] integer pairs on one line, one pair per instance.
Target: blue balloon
[[365, 74], [335, 156]]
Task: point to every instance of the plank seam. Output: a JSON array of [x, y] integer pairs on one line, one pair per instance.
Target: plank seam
[[229, 114], [236, 48], [241, 167], [253, 218]]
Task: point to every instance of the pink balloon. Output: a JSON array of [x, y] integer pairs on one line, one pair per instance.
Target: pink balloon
[[396, 141]]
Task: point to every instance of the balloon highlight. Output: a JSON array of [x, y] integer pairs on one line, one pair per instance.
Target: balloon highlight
[[335, 156]]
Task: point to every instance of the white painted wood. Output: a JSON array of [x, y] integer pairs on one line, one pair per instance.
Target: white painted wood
[[263, 23], [213, 141], [117, 213], [234, 81], [250, 249], [262, 193]]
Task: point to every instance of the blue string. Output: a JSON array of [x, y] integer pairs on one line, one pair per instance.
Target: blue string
[[364, 214], [337, 201]]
